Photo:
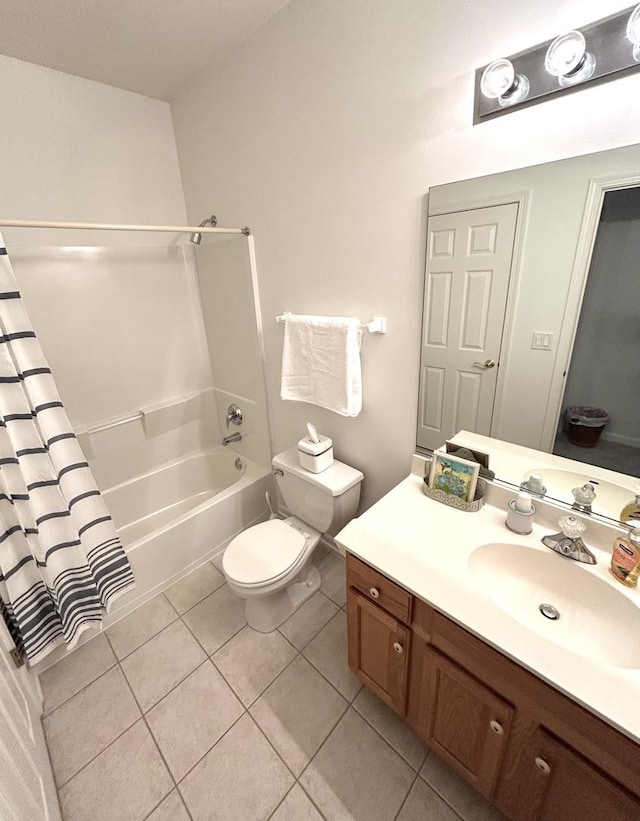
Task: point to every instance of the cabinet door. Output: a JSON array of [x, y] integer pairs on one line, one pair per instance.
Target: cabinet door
[[563, 786], [378, 650], [463, 721]]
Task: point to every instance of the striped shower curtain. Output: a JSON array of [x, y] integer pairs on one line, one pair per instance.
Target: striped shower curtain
[[61, 562]]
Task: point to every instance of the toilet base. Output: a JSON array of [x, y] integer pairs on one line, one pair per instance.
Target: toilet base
[[266, 613]]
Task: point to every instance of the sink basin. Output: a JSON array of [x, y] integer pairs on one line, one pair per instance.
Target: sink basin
[[610, 498], [595, 620]]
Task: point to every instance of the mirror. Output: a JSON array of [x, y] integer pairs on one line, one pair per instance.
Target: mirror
[[526, 312]]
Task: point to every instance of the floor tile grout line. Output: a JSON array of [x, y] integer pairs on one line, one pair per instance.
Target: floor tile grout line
[[195, 604], [147, 640], [175, 687], [204, 649], [273, 681], [173, 621], [378, 732], [306, 644], [82, 689], [282, 800], [406, 798], [153, 738], [296, 777], [319, 671], [437, 791], [97, 755], [162, 800], [320, 813], [317, 752], [213, 746], [268, 740]]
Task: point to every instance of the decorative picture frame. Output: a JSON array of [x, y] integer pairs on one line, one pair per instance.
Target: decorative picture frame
[[454, 476]]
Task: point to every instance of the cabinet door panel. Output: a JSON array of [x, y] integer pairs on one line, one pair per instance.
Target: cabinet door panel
[[564, 787], [378, 650], [465, 723]]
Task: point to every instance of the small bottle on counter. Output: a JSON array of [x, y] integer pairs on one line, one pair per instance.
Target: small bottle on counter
[[625, 561], [520, 512], [631, 511]]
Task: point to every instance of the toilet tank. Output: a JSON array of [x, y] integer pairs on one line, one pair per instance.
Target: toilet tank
[[326, 500]]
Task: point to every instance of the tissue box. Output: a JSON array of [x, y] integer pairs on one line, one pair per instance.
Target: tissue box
[[315, 456]]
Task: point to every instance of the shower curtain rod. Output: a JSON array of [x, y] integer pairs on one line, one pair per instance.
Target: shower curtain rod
[[101, 226]]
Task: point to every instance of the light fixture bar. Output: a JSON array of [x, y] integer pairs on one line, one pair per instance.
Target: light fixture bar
[[607, 44]]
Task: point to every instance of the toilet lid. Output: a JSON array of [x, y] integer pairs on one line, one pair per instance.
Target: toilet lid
[[263, 552]]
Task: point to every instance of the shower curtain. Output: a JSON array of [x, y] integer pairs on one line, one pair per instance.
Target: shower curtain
[[61, 562]]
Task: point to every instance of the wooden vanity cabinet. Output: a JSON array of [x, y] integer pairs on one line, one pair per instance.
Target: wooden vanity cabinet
[[560, 784], [463, 721], [379, 642], [533, 752]]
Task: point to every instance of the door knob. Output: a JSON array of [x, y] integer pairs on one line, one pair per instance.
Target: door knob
[[488, 363]]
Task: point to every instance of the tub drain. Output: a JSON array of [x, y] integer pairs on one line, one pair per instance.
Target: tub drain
[[239, 463], [549, 611]]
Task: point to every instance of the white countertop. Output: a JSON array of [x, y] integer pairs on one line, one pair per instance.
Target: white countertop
[[425, 547]]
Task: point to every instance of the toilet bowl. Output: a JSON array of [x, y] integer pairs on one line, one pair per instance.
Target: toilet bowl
[[269, 565]]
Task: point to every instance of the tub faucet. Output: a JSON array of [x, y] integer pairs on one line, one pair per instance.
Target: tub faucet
[[232, 437], [569, 542], [234, 415]]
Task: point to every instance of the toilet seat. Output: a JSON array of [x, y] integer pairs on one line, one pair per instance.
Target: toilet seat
[[264, 553]]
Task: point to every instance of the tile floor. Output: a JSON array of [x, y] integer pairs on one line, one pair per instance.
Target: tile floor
[[181, 711]]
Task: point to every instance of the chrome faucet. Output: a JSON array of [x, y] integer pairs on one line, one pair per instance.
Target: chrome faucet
[[584, 497], [569, 541], [232, 437]]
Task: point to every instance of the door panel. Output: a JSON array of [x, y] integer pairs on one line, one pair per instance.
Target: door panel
[[469, 258]]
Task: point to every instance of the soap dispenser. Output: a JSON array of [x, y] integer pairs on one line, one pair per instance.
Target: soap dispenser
[[625, 560], [520, 512]]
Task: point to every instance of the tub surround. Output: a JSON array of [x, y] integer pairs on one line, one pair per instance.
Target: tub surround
[[425, 547]]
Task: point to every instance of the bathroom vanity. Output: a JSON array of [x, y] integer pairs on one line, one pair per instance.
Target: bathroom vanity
[[540, 717]]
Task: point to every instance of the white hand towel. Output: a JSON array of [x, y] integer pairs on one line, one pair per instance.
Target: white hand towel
[[321, 362]]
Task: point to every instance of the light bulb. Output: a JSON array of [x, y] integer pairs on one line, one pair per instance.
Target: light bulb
[[633, 32], [500, 81], [567, 59]]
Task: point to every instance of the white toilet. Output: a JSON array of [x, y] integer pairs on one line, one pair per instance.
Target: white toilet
[[269, 564]]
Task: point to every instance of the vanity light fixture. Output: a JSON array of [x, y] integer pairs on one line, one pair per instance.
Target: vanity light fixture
[[600, 51], [633, 32], [567, 59], [500, 82]]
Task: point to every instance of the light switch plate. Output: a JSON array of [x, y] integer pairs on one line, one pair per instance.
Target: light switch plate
[[542, 341]]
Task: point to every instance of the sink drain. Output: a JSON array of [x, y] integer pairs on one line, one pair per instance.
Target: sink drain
[[549, 611]]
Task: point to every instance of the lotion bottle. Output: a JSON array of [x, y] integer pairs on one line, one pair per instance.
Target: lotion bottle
[[625, 560]]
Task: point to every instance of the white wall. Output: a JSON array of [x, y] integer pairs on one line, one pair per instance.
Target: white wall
[[121, 326], [324, 132]]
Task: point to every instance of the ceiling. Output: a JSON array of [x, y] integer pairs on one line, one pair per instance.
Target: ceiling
[[152, 47]]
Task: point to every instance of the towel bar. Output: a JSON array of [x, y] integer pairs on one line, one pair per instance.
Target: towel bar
[[378, 324]]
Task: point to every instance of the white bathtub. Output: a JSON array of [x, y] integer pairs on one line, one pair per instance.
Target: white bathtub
[[176, 517]]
